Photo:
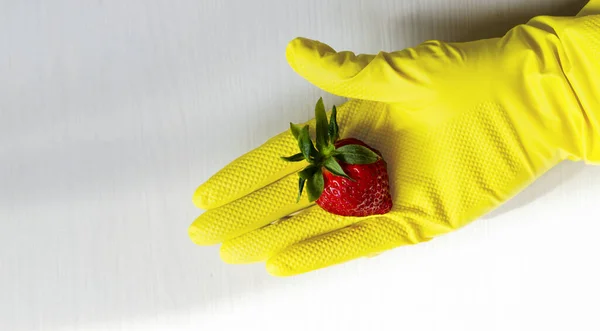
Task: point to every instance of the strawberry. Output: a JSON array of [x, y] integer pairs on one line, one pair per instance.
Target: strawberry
[[345, 177]]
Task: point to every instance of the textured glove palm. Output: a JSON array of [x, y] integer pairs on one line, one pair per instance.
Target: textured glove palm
[[463, 126]]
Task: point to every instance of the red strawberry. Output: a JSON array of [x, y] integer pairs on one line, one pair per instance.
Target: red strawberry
[[345, 177], [368, 194]]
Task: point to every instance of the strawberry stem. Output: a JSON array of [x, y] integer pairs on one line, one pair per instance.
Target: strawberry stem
[[325, 155]]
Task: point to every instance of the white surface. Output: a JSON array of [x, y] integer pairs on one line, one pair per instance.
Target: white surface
[[112, 112]]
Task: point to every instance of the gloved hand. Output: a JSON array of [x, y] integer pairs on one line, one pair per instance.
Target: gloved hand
[[463, 127]]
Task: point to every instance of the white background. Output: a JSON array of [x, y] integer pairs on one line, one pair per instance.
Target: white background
[[113, 112]]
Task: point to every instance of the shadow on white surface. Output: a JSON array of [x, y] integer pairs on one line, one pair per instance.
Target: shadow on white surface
[[481, 20], [550, 181]]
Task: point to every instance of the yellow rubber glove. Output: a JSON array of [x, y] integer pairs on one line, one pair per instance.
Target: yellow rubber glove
[[463, 127]]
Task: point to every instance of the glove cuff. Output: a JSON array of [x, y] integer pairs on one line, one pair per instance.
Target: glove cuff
[[581, 40]]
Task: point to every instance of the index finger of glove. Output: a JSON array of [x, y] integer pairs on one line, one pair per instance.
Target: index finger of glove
[[263, 165], [250, 172]]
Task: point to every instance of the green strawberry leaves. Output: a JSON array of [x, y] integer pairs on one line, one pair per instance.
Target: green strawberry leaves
[[308, 172], [295, 128], [356, 154], [325, 156], [294, 158], [301, 182], [333, 129], [332, 165], [306, 145], [322, 130], [315, 185]]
